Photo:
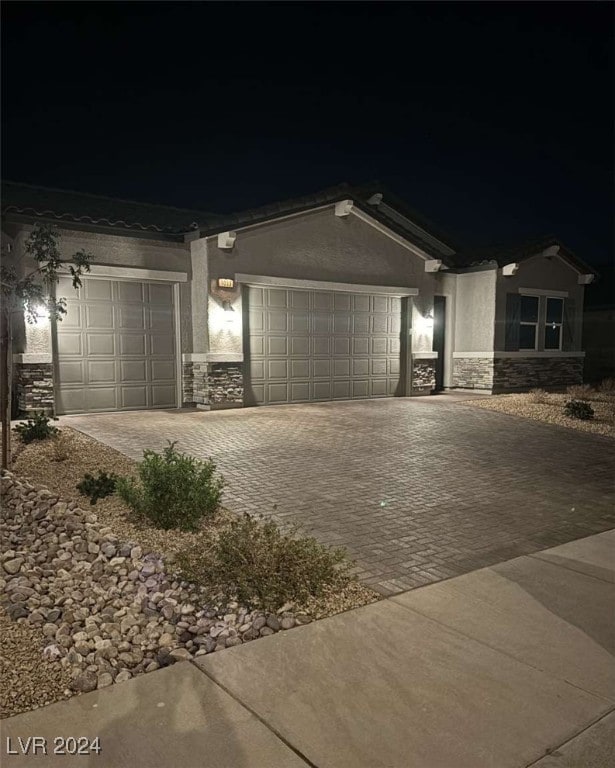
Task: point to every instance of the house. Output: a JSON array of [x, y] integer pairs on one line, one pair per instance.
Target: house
[[347, 293]]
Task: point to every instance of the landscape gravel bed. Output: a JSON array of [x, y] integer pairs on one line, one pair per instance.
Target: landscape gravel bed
[[551, 411]]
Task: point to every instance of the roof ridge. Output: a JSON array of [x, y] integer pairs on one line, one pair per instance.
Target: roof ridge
[[107, 197]]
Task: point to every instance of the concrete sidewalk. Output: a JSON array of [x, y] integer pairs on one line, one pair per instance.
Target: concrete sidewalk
[[506, 666]]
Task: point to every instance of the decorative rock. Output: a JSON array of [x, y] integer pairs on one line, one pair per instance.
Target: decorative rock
[[104, 680], [85, 682], [13, 566]]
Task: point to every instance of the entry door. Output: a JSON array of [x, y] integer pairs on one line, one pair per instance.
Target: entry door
[[439, 325], [306, 346]]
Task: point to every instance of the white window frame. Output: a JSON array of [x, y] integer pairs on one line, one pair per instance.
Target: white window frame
[[536, 324], [559, 325]]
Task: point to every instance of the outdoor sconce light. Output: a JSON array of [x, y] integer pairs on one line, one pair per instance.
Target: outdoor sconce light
[[228, 308], [425, 322], [429, 319]]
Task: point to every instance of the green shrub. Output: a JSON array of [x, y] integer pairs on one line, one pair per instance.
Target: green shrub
[[38, 427], [255, 562], [97, 487], [174, 490], [61, 446], [578, 409]]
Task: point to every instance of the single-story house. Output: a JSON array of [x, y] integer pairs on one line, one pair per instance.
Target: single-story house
[[347, 293]]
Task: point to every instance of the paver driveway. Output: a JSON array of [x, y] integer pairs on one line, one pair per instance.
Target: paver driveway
[[417, 490]]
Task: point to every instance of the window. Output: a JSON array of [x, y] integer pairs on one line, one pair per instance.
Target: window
[[553, 323], [528, 333]]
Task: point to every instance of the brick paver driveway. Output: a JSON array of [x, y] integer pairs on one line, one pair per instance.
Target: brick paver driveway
[[418, 490]]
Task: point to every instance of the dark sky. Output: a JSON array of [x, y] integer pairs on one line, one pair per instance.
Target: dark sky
[[494, 120]]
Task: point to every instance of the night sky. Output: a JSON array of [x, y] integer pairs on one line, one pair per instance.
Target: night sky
[[493, 120]]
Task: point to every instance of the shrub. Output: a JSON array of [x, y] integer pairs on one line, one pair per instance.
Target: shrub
[[578, 409], [60, 445], [581, 392], [174, 490], [38, 427], [255, 562], [607, 386], [537, 396], [97, 487]]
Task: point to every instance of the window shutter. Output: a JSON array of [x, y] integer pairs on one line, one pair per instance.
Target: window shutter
[[568, 325], [513, 320]]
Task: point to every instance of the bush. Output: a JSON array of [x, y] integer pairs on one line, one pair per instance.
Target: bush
[[175, 490], [97, 487], [581, 392], [578, 409], [60, 445], [607, 386], [255, 562], [537, 396], [37, 427]]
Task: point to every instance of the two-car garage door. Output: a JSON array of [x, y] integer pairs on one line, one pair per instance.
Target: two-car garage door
[[116, 347], [307, 345]]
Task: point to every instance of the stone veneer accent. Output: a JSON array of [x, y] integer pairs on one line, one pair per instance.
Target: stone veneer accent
[[213, 384], [423, 376], [33, 383], [473, 372], [529, 372]]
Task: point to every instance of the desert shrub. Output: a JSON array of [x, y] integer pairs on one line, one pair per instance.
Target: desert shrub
[[254, 561], [37, 427], [173, 490], [578, 409], [537, 396], [607, 386], [98, 487], [60, 446], [581, 392]]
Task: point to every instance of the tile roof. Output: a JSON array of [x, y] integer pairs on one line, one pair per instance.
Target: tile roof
[[80, 207]]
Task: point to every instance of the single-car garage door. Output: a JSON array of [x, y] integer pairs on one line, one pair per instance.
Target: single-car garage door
[[116, 347], [308, 346]]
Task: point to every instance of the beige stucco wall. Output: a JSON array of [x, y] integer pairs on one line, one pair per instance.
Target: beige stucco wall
[[318, 246], [543, 274], [475, 311], [119, 251]]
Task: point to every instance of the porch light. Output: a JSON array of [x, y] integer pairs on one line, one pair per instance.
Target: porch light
[[428, 319], [228, 310], [40, 316]]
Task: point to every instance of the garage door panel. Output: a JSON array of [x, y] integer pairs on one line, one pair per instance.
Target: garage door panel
[[299, 299], [98, 316], [161, 345], [299, 322], [378, 366], [360, 345], [133, 397], [131, 317], [360, 366], [162, 395], [277, 298], [278, 345], [70, 343], [378, 388], [360, 302], [380, 304], [278, 321], [101, 371], [72, 372], [321, 368], [322, 390], [99, 343], [342, 302], [300, 369], [322, 301], [341, 367], [321, 346], [257, 346], [257, 370], [98, 290], [133, 371], [256, 320], [299, 391], [278, 393], [380, 324], [361, 324], [118, 351], [379, 345], [72, 318], [360, 388], [162, 370], [341, 390], [101, 399], [321, 323], [277, 369], [342, 323]]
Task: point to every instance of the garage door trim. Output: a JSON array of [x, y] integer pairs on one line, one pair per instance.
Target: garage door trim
[[260, 281]]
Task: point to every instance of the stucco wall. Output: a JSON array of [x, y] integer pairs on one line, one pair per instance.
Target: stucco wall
[[475, 311], [543, 274], [120, 251], [319, 246]]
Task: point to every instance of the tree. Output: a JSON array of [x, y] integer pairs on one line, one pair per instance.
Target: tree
[[28, 285]]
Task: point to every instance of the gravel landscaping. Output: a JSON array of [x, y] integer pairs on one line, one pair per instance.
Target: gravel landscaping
[[91, 595], [549, 408]]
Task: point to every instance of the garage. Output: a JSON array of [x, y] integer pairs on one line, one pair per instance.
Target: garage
[[311, 345], [116, 347]]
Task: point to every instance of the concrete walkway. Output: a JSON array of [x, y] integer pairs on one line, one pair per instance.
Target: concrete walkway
[[505, 667]]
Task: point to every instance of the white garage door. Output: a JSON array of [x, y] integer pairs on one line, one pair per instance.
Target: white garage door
[[308, 346], [115, 348]]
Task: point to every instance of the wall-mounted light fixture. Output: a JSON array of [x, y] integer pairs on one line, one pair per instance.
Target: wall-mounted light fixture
[[229, 312], [425, 322]]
